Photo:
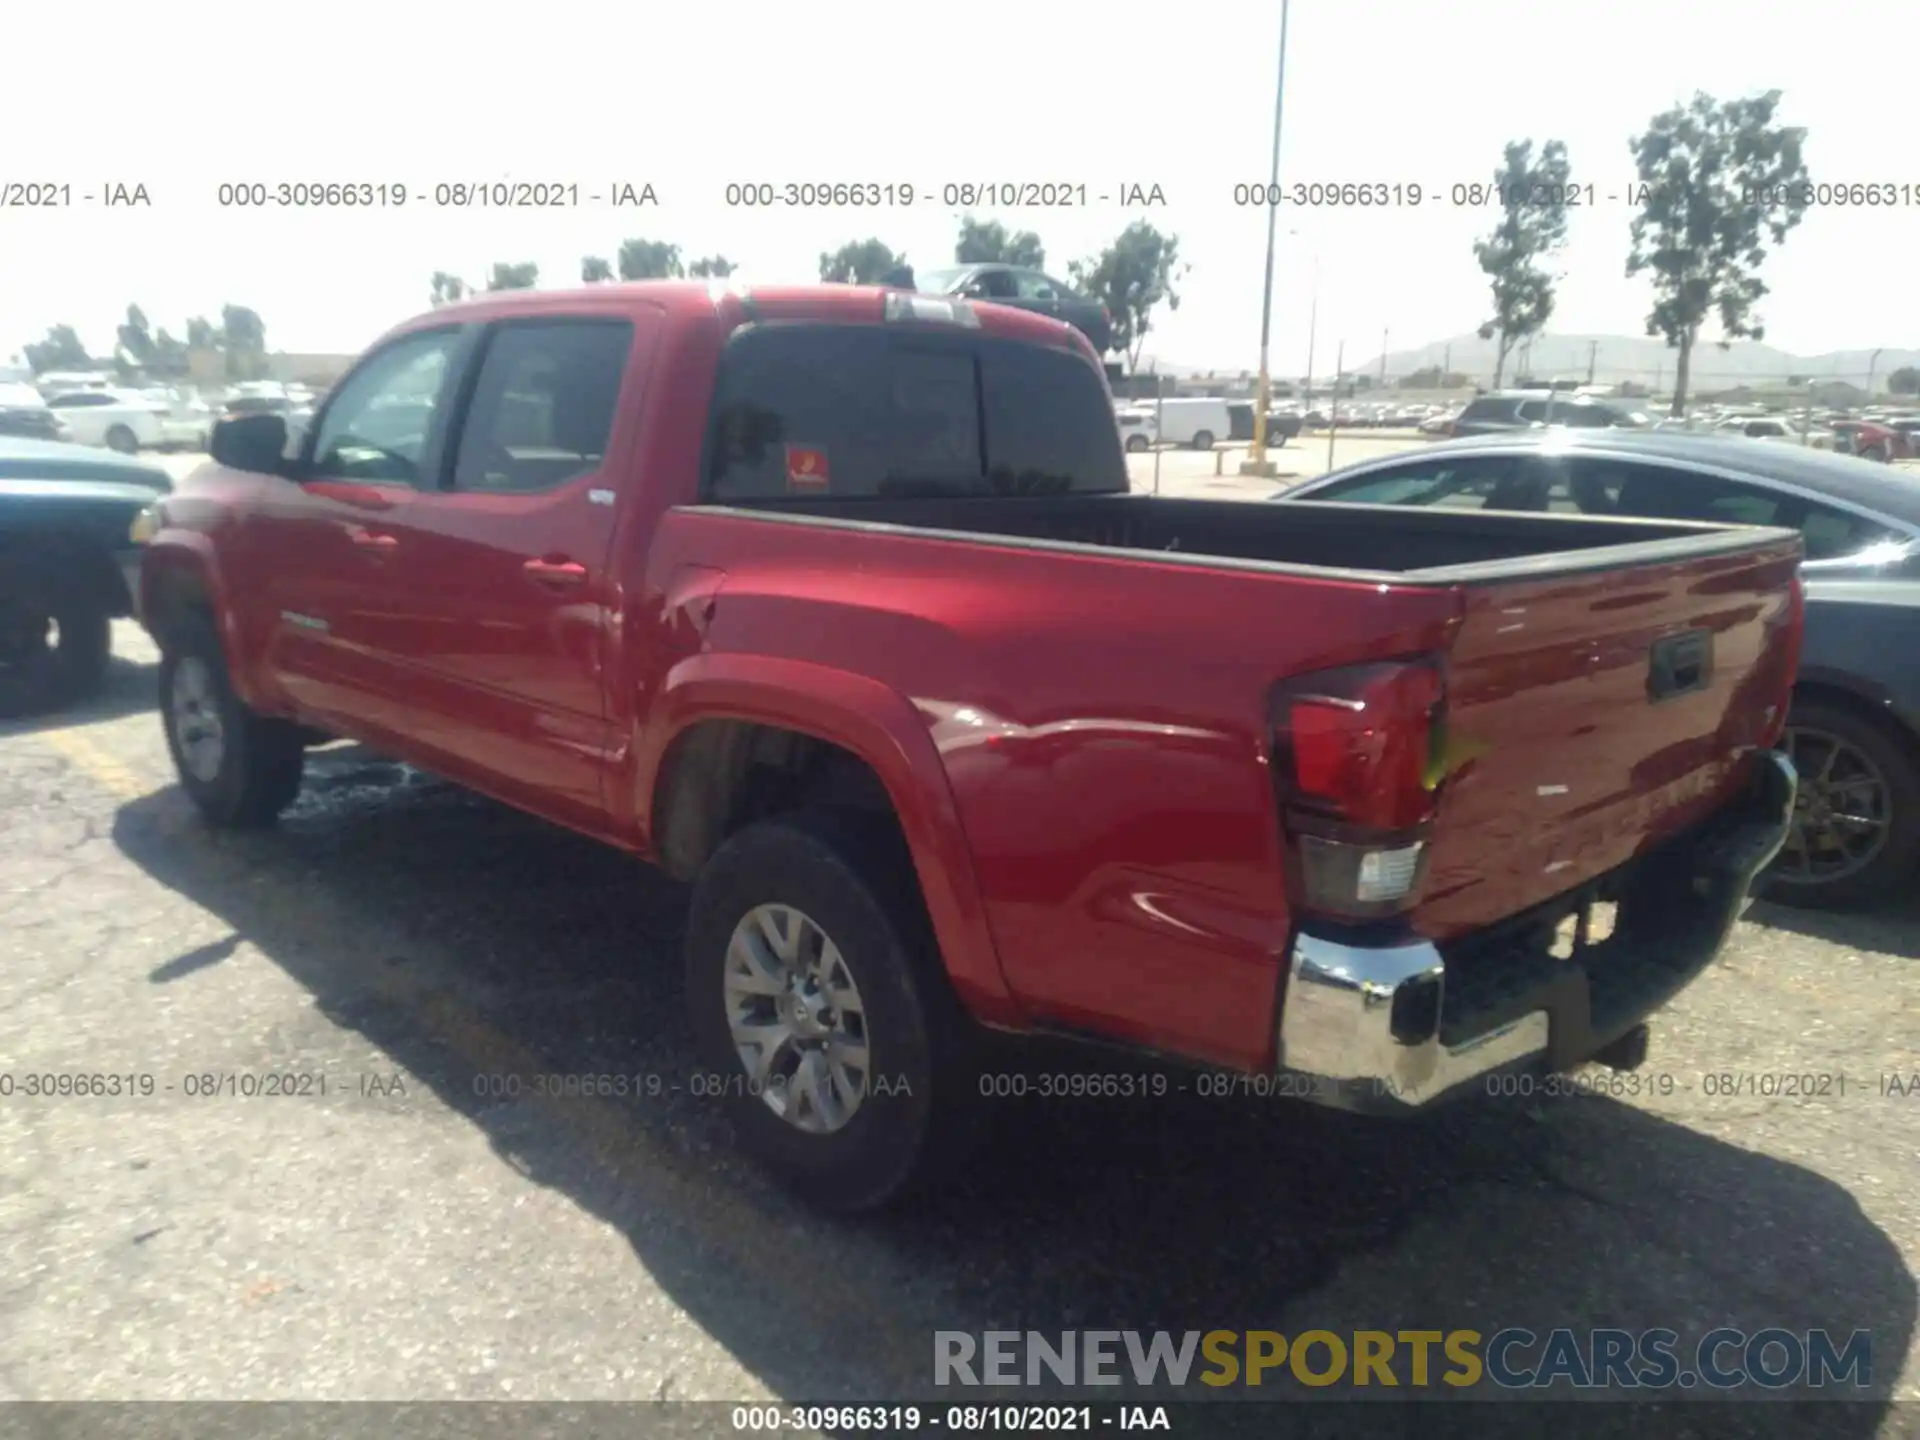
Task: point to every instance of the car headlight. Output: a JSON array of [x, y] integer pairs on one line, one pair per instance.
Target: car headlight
[[145, 525]]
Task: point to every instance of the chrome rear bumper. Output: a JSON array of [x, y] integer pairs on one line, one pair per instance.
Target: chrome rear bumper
[[1393, 1027]]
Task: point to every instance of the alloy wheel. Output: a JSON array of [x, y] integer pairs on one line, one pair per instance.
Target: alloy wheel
[[197, 727], [1842, 812], [797, 1020]]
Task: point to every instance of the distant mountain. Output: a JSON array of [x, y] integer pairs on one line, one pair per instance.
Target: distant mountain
[[1617, 358]]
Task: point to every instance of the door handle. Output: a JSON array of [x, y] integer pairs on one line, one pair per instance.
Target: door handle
[[373, 541], [555, 572]]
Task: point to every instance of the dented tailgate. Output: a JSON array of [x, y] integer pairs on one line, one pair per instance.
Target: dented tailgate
[[1595, 713]]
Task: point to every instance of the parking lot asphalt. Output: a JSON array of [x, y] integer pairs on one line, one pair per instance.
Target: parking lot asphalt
[[417, 1232]]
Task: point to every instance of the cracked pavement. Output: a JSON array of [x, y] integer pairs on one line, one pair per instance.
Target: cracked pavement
[[413, 1233]]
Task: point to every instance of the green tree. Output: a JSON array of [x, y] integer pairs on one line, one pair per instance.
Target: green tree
[[1904, 381], [859, 262], [714, 267], [523, 276], [1719, 181], [244, 341], [595, 270], [1533, 226], [61, 350], [1432, 377], [135, 350], [1132, 277], [203, 334], [447, 288], [986, 242], [169, 357], [650, 260]]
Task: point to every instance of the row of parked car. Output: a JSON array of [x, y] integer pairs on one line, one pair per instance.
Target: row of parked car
[[1872, 434], [88, 409]]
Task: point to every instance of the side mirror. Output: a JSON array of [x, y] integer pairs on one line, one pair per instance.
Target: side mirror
[[249, 442]]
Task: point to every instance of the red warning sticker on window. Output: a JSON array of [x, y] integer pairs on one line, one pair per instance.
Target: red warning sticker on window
[[806, 467]]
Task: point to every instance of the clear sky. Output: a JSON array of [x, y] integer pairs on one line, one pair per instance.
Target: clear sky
[[690, 98]]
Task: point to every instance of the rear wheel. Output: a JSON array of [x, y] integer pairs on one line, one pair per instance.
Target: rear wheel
[[120, 438], [55, 637], [239, 768], [1855, 835], [817, 1005], [1203, 440]]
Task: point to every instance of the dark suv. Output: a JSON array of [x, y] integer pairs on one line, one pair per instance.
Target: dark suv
[[1506, 410], [1024, 289]]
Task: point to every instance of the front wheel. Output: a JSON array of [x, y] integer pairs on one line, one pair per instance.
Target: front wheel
[[122, 439], [1855, 833], [1136, 444], [819, 1013], [239, 768]]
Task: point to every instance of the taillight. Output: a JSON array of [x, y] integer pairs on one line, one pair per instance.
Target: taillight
[[1358, 759]]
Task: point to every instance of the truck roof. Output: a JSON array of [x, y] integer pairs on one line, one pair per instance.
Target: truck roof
[[737, 303]]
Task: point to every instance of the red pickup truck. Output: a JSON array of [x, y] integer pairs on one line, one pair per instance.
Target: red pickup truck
[[835, 602]]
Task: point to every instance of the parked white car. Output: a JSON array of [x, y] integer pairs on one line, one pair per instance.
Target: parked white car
[[188, 421], [122, 420]]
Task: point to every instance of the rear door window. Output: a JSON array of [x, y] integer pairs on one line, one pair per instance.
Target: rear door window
[[543, 406], [1654, 492], [806, 411], [1485, 483]]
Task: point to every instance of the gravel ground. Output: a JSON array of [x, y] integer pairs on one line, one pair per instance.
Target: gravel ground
[[411, 1234]]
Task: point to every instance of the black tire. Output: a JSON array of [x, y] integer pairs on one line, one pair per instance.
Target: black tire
[[1203, 440], [260, 760], [35, 676], [120, 438], [1891, 869], [853, 879], [1136, 444]]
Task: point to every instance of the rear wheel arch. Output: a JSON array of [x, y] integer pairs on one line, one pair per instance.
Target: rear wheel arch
[[1866, 704], [855, 747], [720, 774]]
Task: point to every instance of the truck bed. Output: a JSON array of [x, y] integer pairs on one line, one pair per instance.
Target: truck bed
[[1384, 542]]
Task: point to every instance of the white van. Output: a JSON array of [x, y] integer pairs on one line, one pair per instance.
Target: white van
[[1196, 422]]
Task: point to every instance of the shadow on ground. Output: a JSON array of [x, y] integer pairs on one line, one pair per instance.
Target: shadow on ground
[[1891, 928], [130, 687], [408, 907]]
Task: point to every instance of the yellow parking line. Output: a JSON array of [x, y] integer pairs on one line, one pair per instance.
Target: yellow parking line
[[97, 763]]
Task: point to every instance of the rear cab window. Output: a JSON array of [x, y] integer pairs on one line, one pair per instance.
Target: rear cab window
[[809, 411]]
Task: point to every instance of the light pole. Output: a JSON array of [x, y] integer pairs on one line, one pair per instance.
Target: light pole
[[1256, 461], [1873, 363], [1313, 326]]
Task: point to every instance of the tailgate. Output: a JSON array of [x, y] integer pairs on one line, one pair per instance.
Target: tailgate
[[1593, 714]]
